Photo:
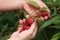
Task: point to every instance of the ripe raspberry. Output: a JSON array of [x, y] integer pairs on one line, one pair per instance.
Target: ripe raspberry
[[44, 13], [26, 27], [29, 21]]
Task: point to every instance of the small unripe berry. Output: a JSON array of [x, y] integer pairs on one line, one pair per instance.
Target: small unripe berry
[[27, 16]]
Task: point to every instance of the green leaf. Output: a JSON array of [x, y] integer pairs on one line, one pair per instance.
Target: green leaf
[[1, 26], [56, 36], [44, 25], [56, 21], [43, 8], [10, 16], [22, 11], [5, 38], [4, 28], [57, 2], [57, 26], [40, 19], [47, 23], [55, 12], [34, 3], [1, 18], [54, 0]]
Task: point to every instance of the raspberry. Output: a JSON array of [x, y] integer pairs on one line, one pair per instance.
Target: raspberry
[[29, 21], [44, 13], [26, 27]]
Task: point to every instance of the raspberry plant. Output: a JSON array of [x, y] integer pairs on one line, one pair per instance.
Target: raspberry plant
[[47, 30]]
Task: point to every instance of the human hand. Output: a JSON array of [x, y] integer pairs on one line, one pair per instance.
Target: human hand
[[31, 9], [26, 34], [6, 5]]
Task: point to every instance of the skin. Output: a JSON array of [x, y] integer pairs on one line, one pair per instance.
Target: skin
[[8, 5], [24, 35]]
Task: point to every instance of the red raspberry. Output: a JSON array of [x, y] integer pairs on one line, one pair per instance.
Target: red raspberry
[[44, 13], [29, 21], [26, 27]]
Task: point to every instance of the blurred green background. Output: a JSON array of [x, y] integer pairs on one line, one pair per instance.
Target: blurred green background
[[48, 30]]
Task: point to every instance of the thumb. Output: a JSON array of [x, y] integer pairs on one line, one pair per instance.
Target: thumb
[[32, 28]]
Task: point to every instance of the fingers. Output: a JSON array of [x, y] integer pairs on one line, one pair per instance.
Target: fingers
[[31, 11], [19, 28], [28, 9], [20, 25], [30, 4], [32, 28], [24, 21], [41, 4]]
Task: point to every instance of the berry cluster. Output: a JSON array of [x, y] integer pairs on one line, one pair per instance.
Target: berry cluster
[[38, 17], [41, 16], [27, 24]]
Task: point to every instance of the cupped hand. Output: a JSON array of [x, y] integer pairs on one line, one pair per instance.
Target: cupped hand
[[26, 34]]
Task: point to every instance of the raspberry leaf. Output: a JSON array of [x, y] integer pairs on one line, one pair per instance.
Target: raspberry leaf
[[40, 19], [34, 3], [43, 8], [56, 36]]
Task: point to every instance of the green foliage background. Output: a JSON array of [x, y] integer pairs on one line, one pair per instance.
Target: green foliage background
[[48, 30]]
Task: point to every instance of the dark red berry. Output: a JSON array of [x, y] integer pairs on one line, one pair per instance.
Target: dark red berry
[[29, 21], [26, 27], [44, 13]]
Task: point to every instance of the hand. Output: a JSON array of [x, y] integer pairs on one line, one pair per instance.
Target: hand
[[26, 34], [21, 4], [29, 8]]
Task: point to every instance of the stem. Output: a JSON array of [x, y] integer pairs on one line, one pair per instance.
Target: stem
[[55, 12]]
